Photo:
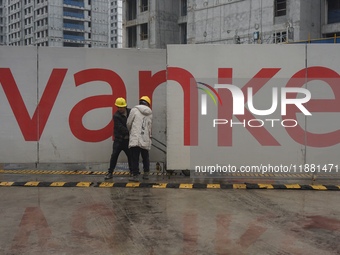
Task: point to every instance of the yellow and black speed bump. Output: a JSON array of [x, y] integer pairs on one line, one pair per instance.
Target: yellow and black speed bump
[[45, 184], [79, 172], [249, 186], [169, 173]]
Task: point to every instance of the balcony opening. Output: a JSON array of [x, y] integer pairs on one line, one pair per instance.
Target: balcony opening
[[144, 31], [74, 36], [73, 24], [333, 11], [144, 6], [131, 7], [132, 37], [74, 13], [183, 33], [280, 8], [78, 3], [280, 37], [183, 7]]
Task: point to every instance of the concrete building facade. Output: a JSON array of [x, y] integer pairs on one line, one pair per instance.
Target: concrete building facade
[[154, 24], [2, 23], [116, 23], [228, 21], [262, 21], [150, 23], [71, 23]]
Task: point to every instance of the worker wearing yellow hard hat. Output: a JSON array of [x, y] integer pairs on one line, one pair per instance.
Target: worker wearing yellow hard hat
[[120, 102], [121, 135], [145, 99], [139, 125]]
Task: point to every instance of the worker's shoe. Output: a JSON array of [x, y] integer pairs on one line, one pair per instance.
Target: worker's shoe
[[108, 176], [135, 178], [146, 176]]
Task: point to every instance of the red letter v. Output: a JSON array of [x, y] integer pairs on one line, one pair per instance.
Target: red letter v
[[32, 128]]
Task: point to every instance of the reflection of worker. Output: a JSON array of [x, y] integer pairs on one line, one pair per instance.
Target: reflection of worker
[[139, 125], [121, 134]]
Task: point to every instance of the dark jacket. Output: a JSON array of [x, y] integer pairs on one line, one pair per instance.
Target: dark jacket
[[120, 130]]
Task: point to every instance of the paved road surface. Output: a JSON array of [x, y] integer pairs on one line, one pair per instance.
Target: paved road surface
[[128, 221]]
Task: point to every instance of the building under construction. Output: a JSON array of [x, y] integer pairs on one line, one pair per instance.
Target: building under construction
[[154, 24], [73, 23]]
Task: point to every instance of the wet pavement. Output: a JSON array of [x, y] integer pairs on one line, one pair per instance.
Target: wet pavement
[[128, 220]]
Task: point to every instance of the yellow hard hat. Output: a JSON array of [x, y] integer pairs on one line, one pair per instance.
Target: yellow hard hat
[[146, 99], [120, 102]]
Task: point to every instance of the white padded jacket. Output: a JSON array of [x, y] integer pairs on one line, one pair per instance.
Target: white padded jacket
[[139, 125]]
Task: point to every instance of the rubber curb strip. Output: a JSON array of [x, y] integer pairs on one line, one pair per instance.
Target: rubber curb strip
[[247, 186]]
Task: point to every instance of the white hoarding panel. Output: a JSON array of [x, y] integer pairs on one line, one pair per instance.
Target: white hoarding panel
[[244, 124], [76, 93], [80, 122], [323, 127], [18, 104], [213, 105]]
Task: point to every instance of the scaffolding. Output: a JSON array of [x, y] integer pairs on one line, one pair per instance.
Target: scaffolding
[[333, 39]]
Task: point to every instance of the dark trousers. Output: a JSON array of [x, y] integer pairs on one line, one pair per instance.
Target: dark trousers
[[135, 152], [117, 147]]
